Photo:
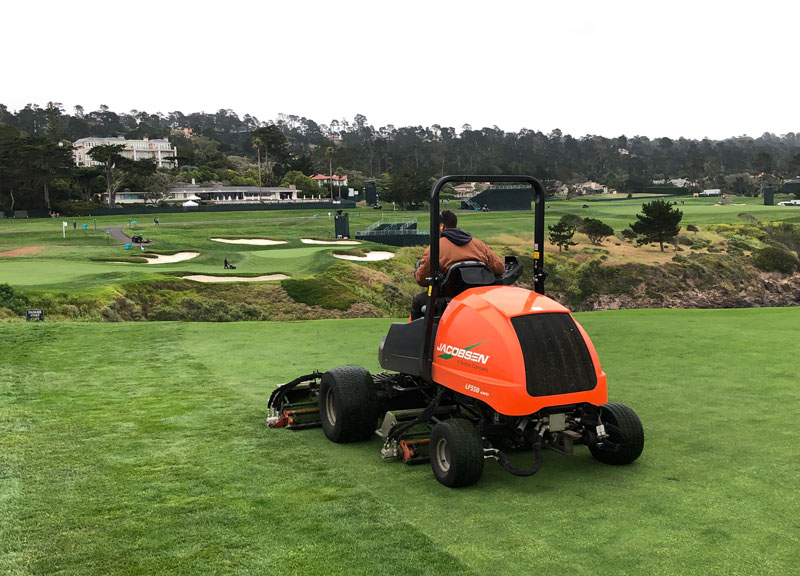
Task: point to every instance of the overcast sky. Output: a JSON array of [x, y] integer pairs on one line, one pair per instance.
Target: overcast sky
[[680, 68]]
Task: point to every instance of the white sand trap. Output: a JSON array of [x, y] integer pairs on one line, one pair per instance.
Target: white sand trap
[[172, 258], [310, 241], [252, 241], [203, 278], [370, 257]]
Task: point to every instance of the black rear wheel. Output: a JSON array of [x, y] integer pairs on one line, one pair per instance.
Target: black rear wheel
[[625, 435], [456, 453], [348, 404]]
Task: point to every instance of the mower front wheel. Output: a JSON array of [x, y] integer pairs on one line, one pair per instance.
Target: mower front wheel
[[625, 435], [456, 453], [348, 404]]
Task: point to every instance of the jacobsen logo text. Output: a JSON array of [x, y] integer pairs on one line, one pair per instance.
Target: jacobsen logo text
[[448, 352]]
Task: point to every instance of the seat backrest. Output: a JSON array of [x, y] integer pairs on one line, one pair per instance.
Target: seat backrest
[[467, 274]]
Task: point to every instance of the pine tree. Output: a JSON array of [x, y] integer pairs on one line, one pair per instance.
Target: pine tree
[[561, 234], [659, 222]]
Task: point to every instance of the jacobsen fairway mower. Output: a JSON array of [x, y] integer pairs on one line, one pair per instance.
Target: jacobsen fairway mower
[[490, 369]]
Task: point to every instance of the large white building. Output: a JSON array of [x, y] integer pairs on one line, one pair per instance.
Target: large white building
[[218, 195], [161, 151]]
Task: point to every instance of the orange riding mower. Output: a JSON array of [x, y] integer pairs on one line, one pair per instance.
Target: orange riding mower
[[490, 370]]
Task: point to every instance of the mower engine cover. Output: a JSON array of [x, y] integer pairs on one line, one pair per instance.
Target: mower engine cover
[[516, 350]]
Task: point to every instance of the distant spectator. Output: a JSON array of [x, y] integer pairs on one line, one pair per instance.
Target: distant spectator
[[155, 221], [226, 265]]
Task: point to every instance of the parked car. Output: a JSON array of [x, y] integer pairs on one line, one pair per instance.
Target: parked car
[[789, 203]]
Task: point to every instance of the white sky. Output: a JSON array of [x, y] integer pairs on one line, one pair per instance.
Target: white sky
[[679, 68]]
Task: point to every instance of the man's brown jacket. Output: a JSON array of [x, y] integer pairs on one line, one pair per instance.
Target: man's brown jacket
[[455, 245]]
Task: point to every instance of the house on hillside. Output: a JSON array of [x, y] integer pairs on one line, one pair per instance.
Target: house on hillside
[[592, 188], [677, 182], [158, 150], [464, 190], [323, 180], [469, 189]]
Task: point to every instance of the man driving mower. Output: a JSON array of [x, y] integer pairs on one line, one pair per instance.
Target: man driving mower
[[455, 245]]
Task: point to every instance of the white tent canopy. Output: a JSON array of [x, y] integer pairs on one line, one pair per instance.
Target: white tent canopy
[[193, 197], [190, 203]]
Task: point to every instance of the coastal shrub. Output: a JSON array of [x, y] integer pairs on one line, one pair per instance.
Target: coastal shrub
[[594, 278], [11, 300], [775, 259], [699, 243]]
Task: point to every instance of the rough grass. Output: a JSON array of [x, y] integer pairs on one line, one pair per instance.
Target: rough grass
[[318, 291], [140, 449]]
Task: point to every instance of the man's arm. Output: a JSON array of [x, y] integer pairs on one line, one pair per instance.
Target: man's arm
[[492, 260], [424, 270]]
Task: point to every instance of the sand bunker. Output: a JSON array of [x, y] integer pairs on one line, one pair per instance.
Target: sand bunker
[[370, 257], [251, 241], [203, 278], [310, 241], [172, 258]]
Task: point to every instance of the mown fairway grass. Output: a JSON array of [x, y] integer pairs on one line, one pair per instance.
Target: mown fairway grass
[[139, 448]]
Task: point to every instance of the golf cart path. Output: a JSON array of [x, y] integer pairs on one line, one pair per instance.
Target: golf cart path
[[118, 234]]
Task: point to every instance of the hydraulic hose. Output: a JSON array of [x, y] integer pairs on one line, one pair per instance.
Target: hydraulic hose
[[426, 414], [502, 459]]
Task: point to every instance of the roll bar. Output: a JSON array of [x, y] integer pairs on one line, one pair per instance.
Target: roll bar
[[436, 276]]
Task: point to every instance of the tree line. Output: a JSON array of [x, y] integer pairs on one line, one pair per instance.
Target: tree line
[[36, 169]]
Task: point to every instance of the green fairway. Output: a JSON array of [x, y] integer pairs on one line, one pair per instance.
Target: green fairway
[[66, 263], [65, 260], [139, 448]]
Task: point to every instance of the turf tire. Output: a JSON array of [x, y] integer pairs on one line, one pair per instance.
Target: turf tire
[[456, 453], [625, 430], [348, 404]]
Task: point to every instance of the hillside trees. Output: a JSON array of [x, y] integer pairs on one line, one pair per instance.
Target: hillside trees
[[275, 147], [304, 184], [154, 186], [119, 169], [206, 141], [46, 161], [402, 188], [29, 167], [86, 177]]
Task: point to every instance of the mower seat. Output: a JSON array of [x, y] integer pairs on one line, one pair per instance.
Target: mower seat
[[461, 276], [467, 274]]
